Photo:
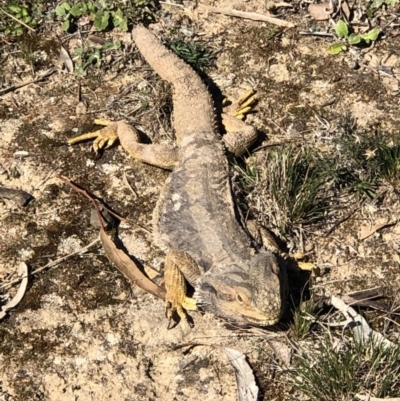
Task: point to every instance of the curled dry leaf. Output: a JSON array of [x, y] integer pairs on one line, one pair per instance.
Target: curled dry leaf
[[64, 60], [127, 267], [320, 12], [361, 330], [22, 271], [281, 351], [346, 10], [367, 231], [246, 384], [21, 198]]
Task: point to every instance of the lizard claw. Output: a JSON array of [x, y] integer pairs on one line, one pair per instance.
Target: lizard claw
[[243, 105], [173, 306], [103, 138]]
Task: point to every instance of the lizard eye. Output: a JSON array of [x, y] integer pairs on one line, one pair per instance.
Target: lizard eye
[[239, 298]]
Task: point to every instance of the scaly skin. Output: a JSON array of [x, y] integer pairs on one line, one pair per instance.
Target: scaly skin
[[195, 221], [195, 213]]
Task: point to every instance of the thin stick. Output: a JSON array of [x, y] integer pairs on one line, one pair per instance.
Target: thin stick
[[51, 264], [327, 34], [171, 4], [95, 205], [247, 15], [16, 19], [15, 87]]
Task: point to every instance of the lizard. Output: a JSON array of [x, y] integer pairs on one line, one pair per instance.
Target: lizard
[[195, 221]]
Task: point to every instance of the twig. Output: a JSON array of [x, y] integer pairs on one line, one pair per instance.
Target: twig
[[15, 87], [247, 15], [16, 19], [342, 220], [316, 33], [51, 264], [172, 4], [95, 205]]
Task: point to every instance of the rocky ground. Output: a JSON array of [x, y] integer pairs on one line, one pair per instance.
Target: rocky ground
[[82, 331]]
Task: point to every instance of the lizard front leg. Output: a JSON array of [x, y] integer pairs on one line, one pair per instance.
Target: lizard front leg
[[158, 155], [179, 267]]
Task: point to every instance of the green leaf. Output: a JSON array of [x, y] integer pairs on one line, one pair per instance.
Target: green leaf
[[377, 3], [354, 39], [336, 48], [342, 29], [24, 12], [65, 25], [94, 57], [371, 35], [76, 10], [79, 71], [60, 11], [15, 9], [78, 51], [112, 45], [83, 7], [120, 21], [101, 20]]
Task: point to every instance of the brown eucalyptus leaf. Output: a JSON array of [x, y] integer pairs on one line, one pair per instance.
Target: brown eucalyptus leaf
[[346, 10], [64, 60], [128, 267]]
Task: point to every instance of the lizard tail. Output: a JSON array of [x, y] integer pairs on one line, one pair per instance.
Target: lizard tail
[[193, 108]]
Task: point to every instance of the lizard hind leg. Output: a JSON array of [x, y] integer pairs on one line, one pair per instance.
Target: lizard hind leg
[[239, 135], [179, 267]]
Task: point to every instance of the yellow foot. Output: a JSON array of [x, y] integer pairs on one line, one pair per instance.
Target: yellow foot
[[243, 105], [298, 256], [103, 138], [179, 305]]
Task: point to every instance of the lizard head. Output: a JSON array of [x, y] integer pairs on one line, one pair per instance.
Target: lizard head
[[250, 293]]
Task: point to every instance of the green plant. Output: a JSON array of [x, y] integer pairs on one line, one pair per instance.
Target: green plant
[[339, 370], [91, 56], [249, 176], [303, 319], [351, 39], [101, 12], [13, 18], [193, 53], [295, 179], [379, 3], [388, 160], [365, 160]]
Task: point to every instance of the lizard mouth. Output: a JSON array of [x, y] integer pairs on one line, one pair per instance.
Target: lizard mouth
[[262, 319]]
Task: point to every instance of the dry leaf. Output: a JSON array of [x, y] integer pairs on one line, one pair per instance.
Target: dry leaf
[[21, 198], [246, 384], [320, 12], [367, 231], [127, 267], [281, 351], [346, 10], [65, 60], [361, 330], [23, 271]]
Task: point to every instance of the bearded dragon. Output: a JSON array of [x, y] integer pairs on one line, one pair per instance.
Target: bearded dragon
[[195, 219]]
